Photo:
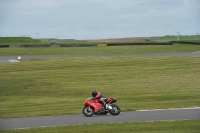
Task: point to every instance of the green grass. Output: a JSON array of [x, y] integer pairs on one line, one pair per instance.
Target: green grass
[[100, 50], [14, 41], [17, 40], [187, 126], [60, 86]]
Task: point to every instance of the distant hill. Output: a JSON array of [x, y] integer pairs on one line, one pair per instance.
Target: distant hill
[[153, 38], [123, 39], [180, 38], [29, 40]]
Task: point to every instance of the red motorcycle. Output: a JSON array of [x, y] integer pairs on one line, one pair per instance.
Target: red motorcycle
[[93, 106]]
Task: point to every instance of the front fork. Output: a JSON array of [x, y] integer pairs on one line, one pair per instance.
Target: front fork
[[109, 106], [89, 109]]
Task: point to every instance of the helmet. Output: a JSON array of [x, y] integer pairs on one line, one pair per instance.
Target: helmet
[[94, 93]]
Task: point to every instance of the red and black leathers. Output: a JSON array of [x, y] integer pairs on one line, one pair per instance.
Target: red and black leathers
[[101, 98]]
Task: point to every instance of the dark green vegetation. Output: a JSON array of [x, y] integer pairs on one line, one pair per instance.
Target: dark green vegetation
[[100, 50], [17, 40], [60, 86], [187, 126]]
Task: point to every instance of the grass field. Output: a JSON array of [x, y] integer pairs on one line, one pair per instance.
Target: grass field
[[60, 86], [100, 50], [187, 126]]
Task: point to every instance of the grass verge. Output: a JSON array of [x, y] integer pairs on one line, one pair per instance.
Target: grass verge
[[186, 126], [100, 50], [60, 86]]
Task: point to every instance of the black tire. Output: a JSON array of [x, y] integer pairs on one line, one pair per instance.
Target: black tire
[[88, 111], [115, 109]]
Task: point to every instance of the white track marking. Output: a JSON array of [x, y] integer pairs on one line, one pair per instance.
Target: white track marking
[[171, 109], [13, 61]]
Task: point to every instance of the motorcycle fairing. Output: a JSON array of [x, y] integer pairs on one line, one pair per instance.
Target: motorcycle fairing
[[94, 104]]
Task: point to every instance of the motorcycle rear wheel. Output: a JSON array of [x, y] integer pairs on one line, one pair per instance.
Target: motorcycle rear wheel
[[88, 111], [115, 109]]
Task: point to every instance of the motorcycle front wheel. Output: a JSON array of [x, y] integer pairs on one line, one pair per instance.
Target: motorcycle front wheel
[[88, 111], [115, 109]]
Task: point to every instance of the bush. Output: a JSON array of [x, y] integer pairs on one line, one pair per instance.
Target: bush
[[78, 45], [4, 46], [186, 42], [34, 45], [149, 43]]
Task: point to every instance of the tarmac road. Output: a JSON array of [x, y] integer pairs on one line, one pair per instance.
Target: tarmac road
[[7, 59], [137, 116]]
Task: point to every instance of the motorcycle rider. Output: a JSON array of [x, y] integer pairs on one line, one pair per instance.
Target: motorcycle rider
[[100, 97]]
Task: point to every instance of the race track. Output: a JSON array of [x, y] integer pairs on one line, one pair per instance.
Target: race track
[[137, 116]]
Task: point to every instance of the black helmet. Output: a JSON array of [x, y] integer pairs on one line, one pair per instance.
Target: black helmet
[[94, 93]]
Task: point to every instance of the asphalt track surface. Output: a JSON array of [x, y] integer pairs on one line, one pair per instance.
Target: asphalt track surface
[[7, 59], [137, 116]]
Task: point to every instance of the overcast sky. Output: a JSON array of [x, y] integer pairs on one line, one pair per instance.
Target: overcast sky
[[98, 19]]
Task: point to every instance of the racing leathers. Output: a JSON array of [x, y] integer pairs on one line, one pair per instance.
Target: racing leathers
[[101, 98]]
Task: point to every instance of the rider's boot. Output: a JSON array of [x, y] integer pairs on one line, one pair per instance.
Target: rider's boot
[[105, 105]]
